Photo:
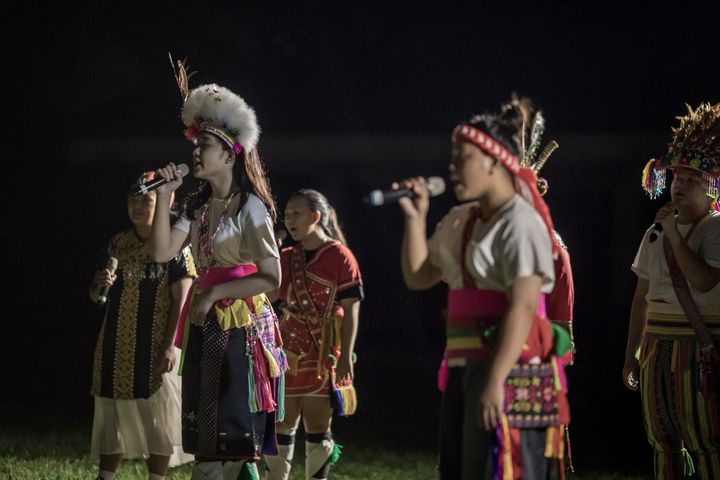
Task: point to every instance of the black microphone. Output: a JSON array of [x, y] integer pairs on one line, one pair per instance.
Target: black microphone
[[280, 236], [657, 228], [435, 186], [144, 188], [112, 265]]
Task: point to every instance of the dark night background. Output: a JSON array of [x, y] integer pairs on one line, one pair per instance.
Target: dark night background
[[350, 98]]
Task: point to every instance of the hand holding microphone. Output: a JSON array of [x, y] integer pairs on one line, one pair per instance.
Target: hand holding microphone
[[104, 279], [168, 180], [411, 187], [664, 221]]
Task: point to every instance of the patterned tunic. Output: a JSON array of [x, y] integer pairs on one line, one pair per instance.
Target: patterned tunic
[[312, 317], [135, 322]]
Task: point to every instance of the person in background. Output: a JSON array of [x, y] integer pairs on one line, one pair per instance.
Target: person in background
[[134, 381], [671, 353], [321, 292]]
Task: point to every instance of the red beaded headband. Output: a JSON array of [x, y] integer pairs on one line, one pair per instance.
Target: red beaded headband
[[489, 145]]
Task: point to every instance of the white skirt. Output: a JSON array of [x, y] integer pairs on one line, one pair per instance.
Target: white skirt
[[140, 427]]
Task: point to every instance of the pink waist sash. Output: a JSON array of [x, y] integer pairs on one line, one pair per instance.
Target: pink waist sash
[[209, 277], [473, 301], [471, 312]]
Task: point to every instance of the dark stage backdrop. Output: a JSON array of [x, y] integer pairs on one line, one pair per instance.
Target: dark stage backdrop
[[350, 98], [595, 198]]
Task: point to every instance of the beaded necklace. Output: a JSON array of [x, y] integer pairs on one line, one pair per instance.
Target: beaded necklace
[[205, 241]]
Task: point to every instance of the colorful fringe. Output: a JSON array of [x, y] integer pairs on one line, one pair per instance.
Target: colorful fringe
[[653, 178], [507, 459], [344, 399], [263, 392]]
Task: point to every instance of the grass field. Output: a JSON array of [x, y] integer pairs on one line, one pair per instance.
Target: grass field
[[63, 454]]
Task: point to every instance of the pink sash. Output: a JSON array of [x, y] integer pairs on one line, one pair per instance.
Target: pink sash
[[208, 277], [471, 312]]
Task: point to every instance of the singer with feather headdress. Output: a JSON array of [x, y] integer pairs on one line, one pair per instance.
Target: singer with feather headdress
[[233, 363], [672, 347]]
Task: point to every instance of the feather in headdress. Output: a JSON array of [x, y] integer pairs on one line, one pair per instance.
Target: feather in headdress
[[181, 76], [536, 132], [551, 146]]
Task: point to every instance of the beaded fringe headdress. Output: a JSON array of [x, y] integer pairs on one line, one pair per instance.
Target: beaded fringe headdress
[[695, 144]]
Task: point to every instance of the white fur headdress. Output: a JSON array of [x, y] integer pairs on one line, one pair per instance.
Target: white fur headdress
[[217, 110]]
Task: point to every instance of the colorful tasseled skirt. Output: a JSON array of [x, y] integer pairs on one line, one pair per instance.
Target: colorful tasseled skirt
[[473, 317], [233, 375]]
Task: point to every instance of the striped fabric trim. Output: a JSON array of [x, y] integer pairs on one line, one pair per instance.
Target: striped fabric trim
[[676, 325]]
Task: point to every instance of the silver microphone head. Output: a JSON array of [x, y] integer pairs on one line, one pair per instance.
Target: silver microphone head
[[112, 264], [435, 186], [183, 169]]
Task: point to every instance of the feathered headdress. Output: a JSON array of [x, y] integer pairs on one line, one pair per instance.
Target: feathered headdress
[[530, 154], [217, 110], [524, 169], [695, 144]]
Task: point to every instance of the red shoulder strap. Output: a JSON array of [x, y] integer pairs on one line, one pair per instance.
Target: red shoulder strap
[[297, 276]]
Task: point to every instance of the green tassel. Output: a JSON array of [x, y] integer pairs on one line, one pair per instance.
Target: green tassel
[[689, 467], [248, 472], [281, 398], [561, 339], [252, 404], [335, 455]]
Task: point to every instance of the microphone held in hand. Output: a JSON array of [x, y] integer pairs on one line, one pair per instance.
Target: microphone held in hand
[[144, 188], [657, 229], [112, 265], [435, 186]]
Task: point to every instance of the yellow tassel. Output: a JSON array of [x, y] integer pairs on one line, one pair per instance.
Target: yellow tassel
[[550, 442], [273, 368], [259, 302], [506, 450]]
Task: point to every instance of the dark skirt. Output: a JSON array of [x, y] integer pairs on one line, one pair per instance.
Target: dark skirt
[[466, 448], [216, 419]]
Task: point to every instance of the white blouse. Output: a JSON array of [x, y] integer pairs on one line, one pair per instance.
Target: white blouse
[[650, 263], [513, 244], [245, 237]]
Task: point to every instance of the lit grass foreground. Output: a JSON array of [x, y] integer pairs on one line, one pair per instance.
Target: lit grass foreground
[[63, 455]]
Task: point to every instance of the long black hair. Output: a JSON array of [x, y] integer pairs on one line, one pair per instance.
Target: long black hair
[[248, 174], [317, 202]]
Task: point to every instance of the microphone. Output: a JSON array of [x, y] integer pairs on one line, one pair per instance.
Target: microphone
[[280, 236], [435, 186], [144, 188], [657, 228], [112, 265]]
